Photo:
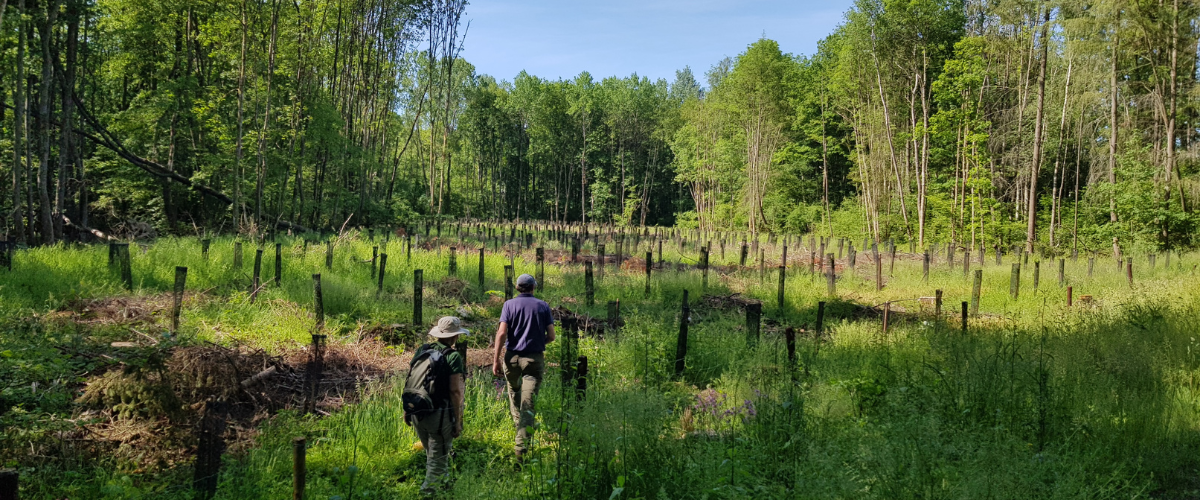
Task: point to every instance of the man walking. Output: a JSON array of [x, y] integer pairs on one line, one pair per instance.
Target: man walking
[[434, 394], [525, 328]]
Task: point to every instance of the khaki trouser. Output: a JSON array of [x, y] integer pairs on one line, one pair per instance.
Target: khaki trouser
[[524, 374], [436, 431]]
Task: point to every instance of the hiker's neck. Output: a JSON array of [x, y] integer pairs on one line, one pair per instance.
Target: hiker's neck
[[447, 342]]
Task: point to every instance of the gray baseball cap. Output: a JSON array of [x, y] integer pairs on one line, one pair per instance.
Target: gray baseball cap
[[526, 280]]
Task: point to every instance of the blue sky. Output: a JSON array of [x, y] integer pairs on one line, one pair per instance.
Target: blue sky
[[561, 38]]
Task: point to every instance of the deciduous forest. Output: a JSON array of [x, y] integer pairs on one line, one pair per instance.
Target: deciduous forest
[[1064, 125], [951, 253]]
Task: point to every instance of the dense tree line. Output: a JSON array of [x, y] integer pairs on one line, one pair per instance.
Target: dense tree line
[[1064, 124]]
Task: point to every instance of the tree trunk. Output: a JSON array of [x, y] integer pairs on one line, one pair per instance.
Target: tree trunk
[[241, 104], [44, 103], [260, 183], [1034, 167], [1112, 132], [19, 127], [1062, 125], [66, 153], [887, 124]]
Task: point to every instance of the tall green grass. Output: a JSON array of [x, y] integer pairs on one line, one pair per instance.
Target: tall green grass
[[1035, 400]]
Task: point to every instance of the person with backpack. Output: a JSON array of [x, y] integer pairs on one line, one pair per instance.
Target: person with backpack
[[434, 394], [526, 326]]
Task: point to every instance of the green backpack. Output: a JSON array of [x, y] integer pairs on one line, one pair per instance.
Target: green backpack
[[427, 387]]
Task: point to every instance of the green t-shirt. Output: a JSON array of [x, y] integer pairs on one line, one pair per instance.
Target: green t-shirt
[[456, 360]]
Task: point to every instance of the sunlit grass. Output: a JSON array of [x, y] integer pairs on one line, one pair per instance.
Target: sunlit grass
[[1035, 400]]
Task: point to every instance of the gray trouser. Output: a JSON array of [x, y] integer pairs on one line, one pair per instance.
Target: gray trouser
[[524, 374], [436, 433]]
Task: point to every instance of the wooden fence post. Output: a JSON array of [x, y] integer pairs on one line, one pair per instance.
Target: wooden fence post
[[831, 277], [878, 273], [925, 267], [318, 304], [237, 255], [10, 482], [1062, 272], [976, 288], [600, 260], [483, 289], [937, 304], [508, 282], [382, 272], [177, 303], [649, 260], [887, 310], [209, 448], [581, 375], [453, 261], [780, 300], [374, 260], [278, 264], [1037, 271], [1014, 282], [1070, 293], [299, 467], [1129, 272], [329, 254], [964, 316], [753, 322], [255, 282], [681, 341], [418, 297], [589, 286]]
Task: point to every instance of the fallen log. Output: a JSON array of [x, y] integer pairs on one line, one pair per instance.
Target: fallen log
[[95, 232], [258, 377]]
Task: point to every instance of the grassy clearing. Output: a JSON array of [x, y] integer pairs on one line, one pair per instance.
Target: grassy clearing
[[1036, 400]]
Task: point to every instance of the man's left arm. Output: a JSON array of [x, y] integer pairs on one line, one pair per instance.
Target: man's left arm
[[458, 395]]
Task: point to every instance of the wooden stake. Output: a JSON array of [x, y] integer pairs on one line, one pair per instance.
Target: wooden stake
[[976, 287], [649, 259], [299, 467], [418, 298], [382, 273], [177, 303], [10, 482], [681, 341], [318, 303], [589, 289], [753, 322]]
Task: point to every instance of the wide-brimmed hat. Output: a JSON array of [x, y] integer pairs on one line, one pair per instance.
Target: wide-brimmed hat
[[448, 326]]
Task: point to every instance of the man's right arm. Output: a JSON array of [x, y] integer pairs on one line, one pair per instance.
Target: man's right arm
[[549, 334], [501, 339]]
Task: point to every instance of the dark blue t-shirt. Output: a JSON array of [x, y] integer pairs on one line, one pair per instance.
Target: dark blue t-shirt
[[528, 319]]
